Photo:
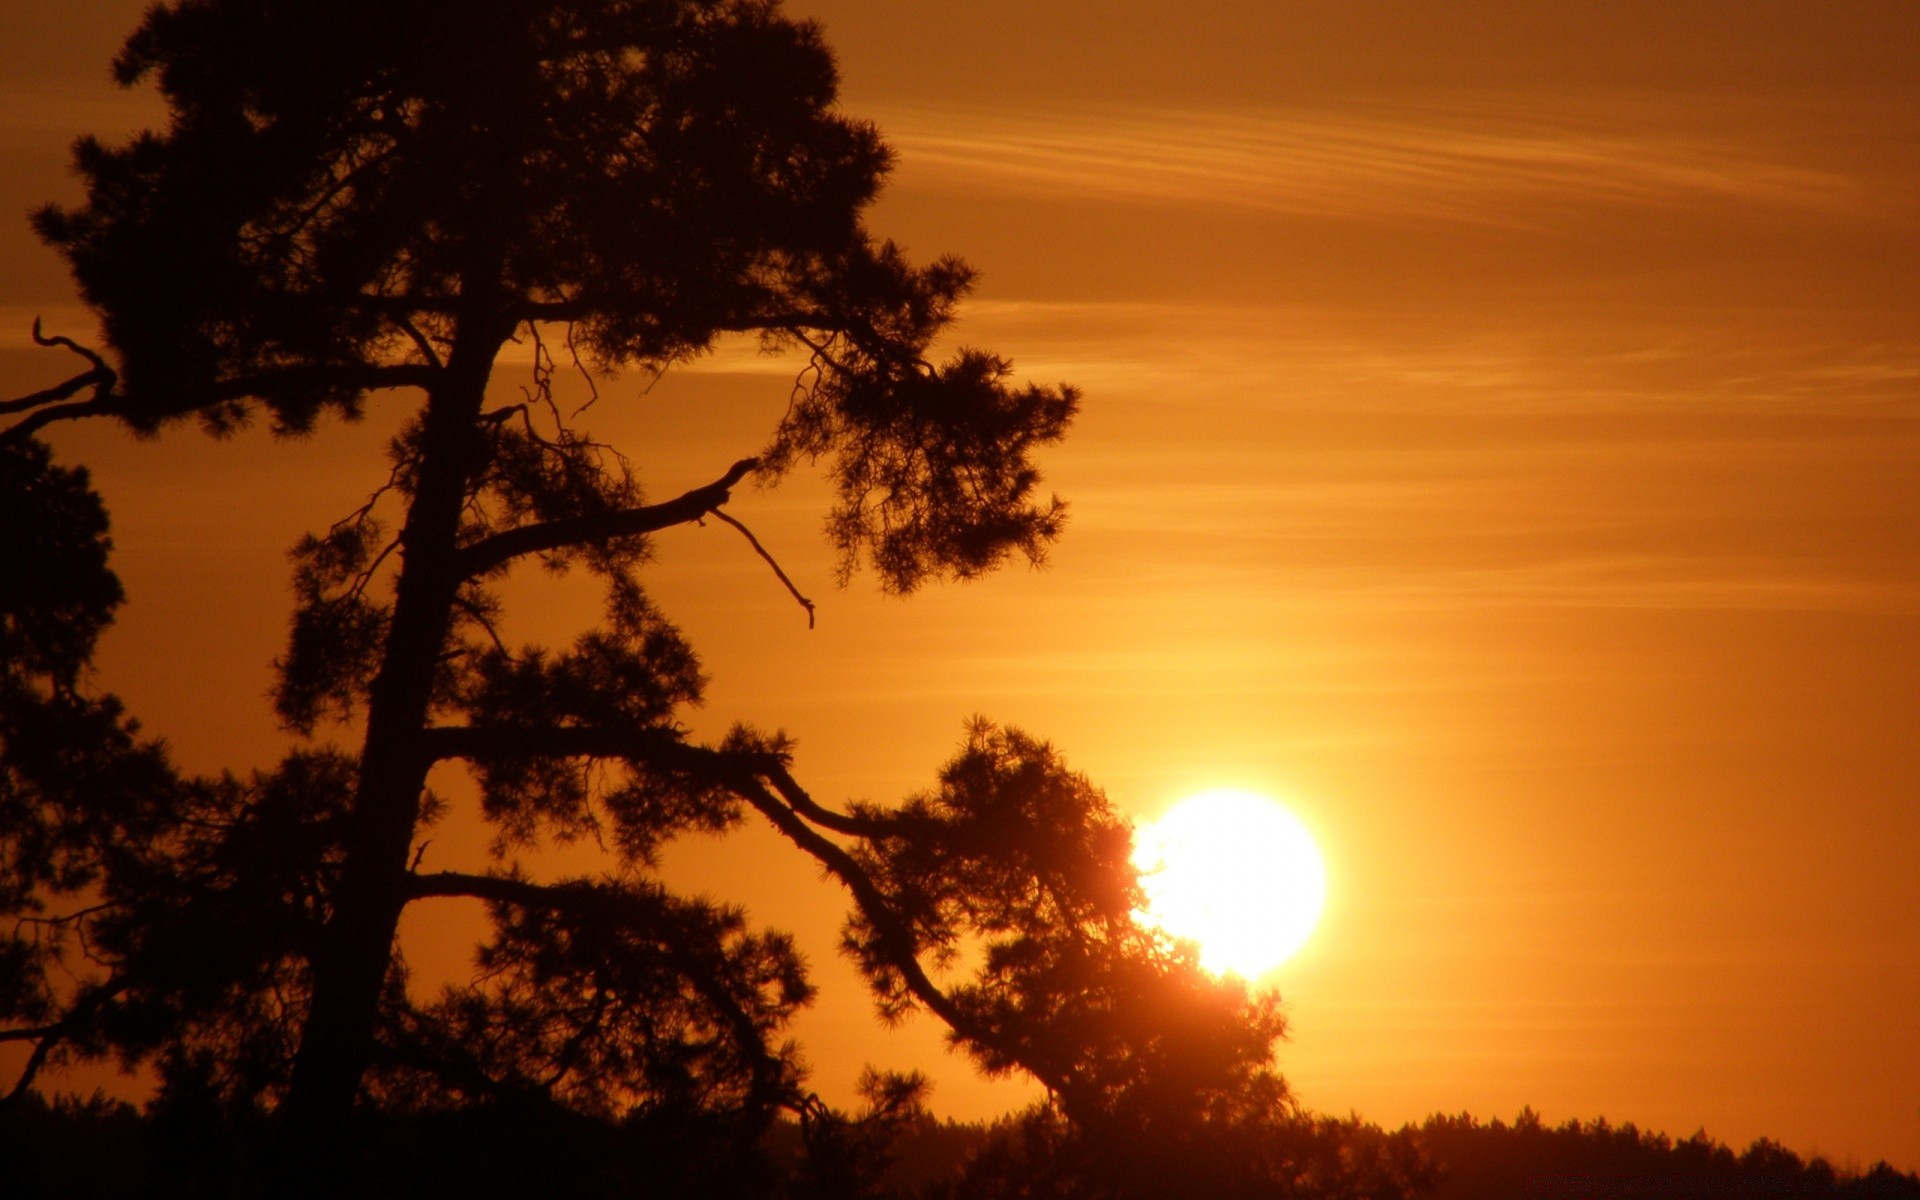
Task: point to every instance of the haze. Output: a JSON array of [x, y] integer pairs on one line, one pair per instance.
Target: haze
[[1502, 439]]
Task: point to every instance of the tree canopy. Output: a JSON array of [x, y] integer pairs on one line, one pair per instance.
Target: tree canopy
[[356, 205]]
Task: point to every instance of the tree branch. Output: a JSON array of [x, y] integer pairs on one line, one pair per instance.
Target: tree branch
[[502, 889], [762, 552], [61, 339], [77, 1017], [785, 804], [98, 376], [29, 1033], [648, 747], [419, 340], [773, 771], [491, 552], [896, 939], [479, 743], [648, 914], [109, 403], [58, 392]]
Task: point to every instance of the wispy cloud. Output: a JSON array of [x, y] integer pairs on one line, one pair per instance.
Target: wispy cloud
[[1302, 162], [1279, 357]]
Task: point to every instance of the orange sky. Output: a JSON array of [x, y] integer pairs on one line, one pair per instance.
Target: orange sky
[[1502, 442]]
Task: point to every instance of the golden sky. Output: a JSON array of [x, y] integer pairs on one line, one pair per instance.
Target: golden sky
[[1502, 443]]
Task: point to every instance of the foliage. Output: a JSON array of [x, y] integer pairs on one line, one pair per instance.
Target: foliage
[[101, 1148], [1028, 862], [358, 204], [1495, 1160], [1274, 1154]]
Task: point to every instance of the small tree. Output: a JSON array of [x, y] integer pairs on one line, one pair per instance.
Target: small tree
[[359, 203]]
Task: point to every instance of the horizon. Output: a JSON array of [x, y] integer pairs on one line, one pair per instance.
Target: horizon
[[1501, 444]]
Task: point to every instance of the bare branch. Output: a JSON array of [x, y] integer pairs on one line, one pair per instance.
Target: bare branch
[[821, 349], [481, 619], [501, 548], [54, 394], [98, 376], [29, 1033], [593, 388], [762, 552], [373, 501], [418, 339], [58, 339]]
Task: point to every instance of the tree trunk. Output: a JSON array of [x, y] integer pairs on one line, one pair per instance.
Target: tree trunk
[[354, 957]]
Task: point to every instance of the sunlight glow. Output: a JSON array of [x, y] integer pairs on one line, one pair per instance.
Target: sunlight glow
[[1235, 872]]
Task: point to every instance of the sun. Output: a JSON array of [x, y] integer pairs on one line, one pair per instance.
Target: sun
[[1235, 872]]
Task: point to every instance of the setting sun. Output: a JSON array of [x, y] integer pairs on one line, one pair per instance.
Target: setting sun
[[522, 611], [1238, 874]]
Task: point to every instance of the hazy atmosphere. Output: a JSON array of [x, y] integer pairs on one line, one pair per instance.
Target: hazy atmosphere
[[1500, 443]]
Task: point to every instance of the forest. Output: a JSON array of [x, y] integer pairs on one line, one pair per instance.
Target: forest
[[74, 1148]]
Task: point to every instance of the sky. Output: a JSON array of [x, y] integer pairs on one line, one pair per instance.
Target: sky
[[1501, 444]]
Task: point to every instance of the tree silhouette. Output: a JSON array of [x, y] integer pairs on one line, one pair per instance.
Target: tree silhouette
[[358, 203], [1529, 1158]]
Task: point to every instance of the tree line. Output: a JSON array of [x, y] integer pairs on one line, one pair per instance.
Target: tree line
[[69, 1147]]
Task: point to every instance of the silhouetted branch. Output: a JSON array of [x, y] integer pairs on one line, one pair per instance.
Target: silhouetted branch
[[62, 920], [503, 889], [822, 350], [480, 618], [896, 939], [418, 339], [84, 1009], [593, 388], [373, 501], [640, 911], [501, 548], [109, 403], [60, 339], [35, 1061], [479, 743], [762, 552], [27, 1034], [98, 376], [54, 394], [661, 748], [775, 773], [785, 804]]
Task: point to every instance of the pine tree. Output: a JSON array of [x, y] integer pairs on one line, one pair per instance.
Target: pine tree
[[360, 204]]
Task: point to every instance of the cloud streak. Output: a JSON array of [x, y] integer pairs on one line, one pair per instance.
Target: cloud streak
[[1450, 167]]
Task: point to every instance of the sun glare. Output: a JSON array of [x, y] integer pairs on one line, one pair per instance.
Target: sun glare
[[1235, 872]]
